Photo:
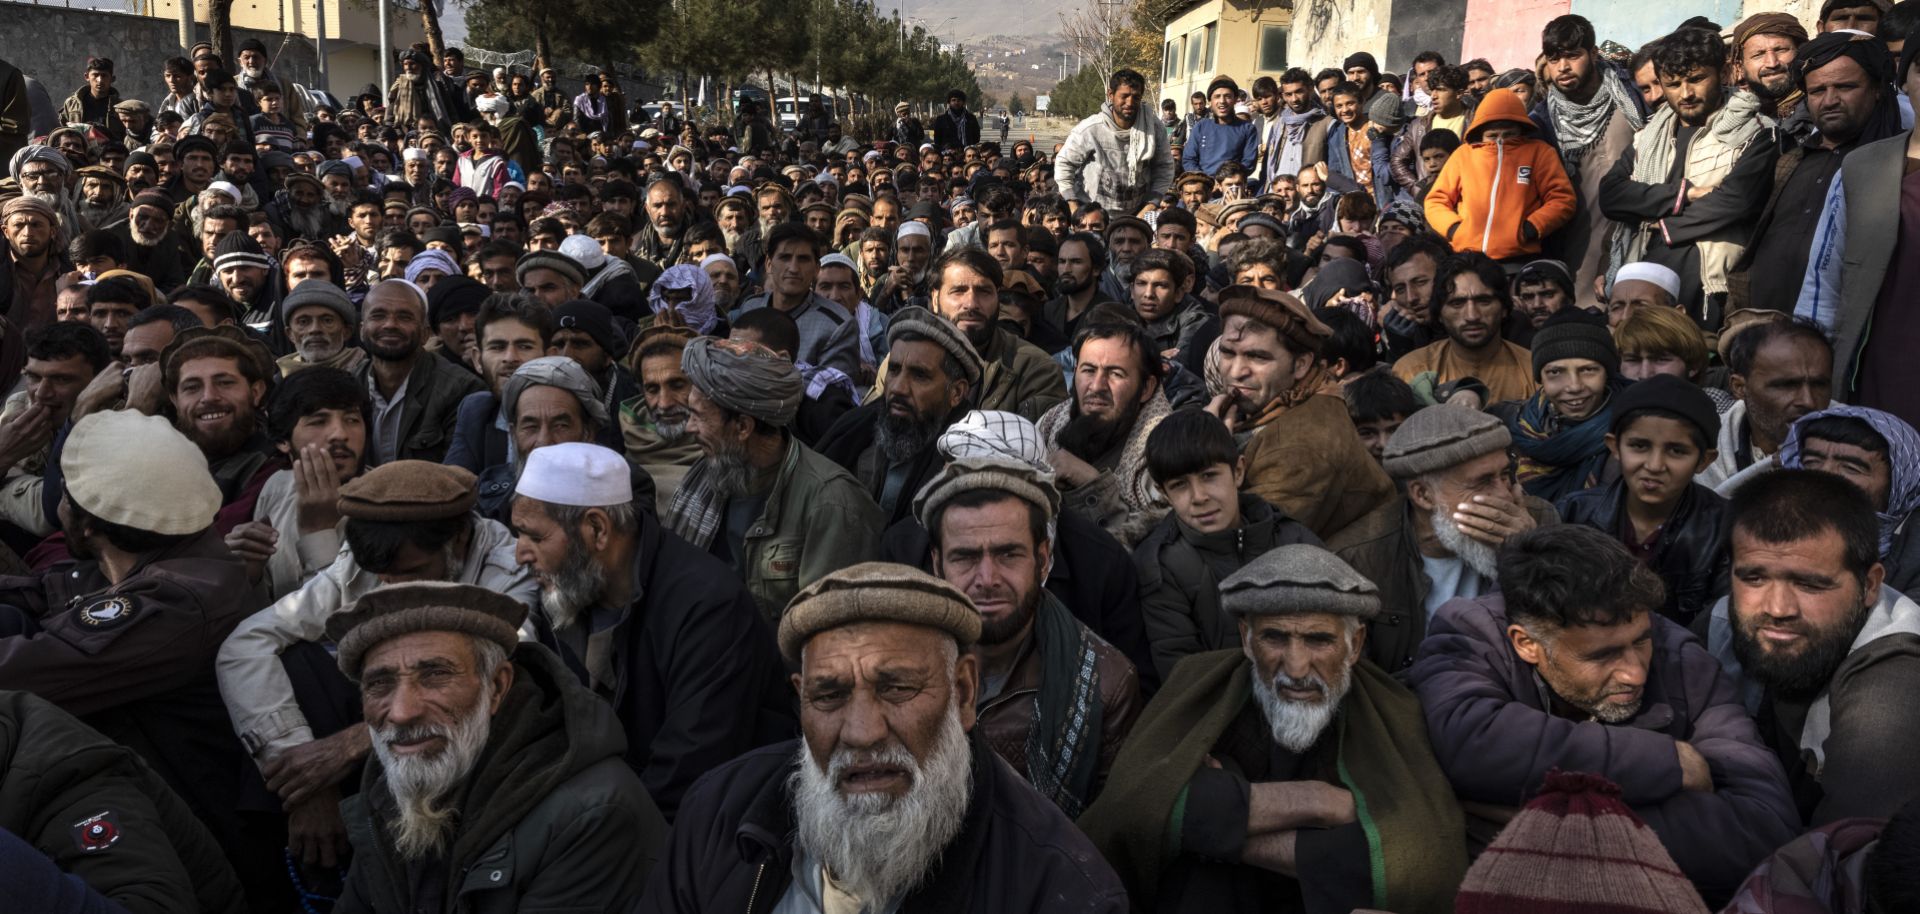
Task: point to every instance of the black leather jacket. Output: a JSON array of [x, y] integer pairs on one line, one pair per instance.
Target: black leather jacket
[[1691, 554]]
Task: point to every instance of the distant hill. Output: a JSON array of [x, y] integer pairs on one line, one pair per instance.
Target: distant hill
[[977, 19]]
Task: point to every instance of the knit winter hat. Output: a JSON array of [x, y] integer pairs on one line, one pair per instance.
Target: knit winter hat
[[408, 490], [1387, 111], [385, 613], [925, 323], [1441, 436], [1574, 333], [319, 292], [453, 296], [1298, 578], [1576, 847], [877, 592], [593, 319], [238, 249], [1671, 394], [550, 260]]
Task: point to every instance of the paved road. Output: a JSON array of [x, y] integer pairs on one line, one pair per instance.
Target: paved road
[[1045, 133]]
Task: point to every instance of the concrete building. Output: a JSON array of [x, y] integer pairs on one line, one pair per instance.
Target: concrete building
[[352, 32], [1245, 39], [1242, 39]]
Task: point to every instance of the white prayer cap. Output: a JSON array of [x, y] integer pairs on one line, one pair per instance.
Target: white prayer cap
[[225, 188], [413, 154], [1646, 271], [913, 227], [837, 259], [576, 474], [710, 258]]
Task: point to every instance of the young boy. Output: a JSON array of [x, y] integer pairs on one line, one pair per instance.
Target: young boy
[[1378, 402], [1212, 531], [1663, 432], [271, 129], [1505, 190], [1436, 148]]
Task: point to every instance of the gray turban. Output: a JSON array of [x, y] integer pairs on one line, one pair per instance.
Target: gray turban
[[564, 373], [745, 377], [36, 152]]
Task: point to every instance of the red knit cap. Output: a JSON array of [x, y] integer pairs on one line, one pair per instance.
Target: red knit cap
[[1576, 849]]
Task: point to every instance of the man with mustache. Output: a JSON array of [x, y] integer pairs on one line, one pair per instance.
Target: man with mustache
[[829, 335], [1810, 620], [1018, 376], [1842, 83], [1288, 773], [1628, 695], [1439, 539], [153, 247], [1471, 304], [301, 210], [1097, 439], [321, 322], [403, 522], [320, 424], [62, 358], [888, 442], [416, 394], [491, 760], [660, 630], [248, 277], [509, 332], [654, 424], [886, 802], [774, 509], [1056, 700], [905, 282], [550, 400], [1303, 454]]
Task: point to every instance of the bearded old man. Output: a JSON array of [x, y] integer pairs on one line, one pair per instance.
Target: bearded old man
[[496, 782], [653, 426], [1438, 539], [154, 249], [660, 630], [1239, 792], [886, 803]]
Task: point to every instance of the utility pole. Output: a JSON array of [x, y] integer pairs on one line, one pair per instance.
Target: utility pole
[[186, 25], [320, 42], [386, 44]]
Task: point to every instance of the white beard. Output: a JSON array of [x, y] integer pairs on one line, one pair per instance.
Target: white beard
[[421, 787], [1297, 725], [1478, 555], [309, 223], [315, 348], [575, 586], [877, 847], [142, 238]]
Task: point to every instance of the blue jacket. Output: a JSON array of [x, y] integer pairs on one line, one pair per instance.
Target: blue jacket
[[1382, 155], [1211, 144]]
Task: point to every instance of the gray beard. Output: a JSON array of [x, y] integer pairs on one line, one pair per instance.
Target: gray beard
[[422, 787], [577, 585], [315, 348], [308, 222], [340, 206], [732, 474], [1478, 555], [142, 238], [1297, 725], [878, 847]]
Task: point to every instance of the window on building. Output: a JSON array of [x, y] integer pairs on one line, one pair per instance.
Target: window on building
[[1173, 61], [1210, 54], [1273, 48], [1194, 47]]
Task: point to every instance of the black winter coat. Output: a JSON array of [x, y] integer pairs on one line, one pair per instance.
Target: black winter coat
[[698, 678], [1691, 554], [1016, 853]]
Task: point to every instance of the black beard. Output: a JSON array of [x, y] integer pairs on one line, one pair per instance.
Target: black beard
[[1067, 287], [223, 444], [1004, 630], [903, 438], [399, 353], [1092, 437], [1800, 677]]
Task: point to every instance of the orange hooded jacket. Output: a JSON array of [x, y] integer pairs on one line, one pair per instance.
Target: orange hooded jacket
[[1501, 198]]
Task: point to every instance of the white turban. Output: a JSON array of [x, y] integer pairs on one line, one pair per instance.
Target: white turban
[[1646, 271]]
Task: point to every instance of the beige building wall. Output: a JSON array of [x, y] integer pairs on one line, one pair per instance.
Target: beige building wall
[[352, 32], [1326, 31], [1223, 36]]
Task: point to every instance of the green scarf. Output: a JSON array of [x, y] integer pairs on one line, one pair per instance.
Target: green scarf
[[1063, 743], [1416, 838]]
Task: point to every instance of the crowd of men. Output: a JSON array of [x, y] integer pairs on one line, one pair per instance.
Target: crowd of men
[[1412, 492]]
